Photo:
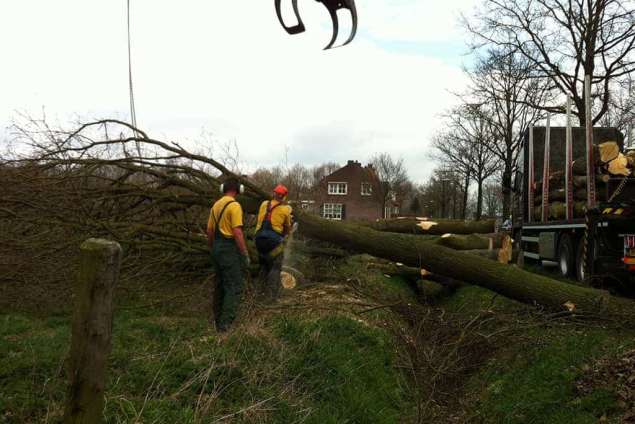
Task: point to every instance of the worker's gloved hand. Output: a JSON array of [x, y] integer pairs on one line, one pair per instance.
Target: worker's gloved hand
[[246, 261]]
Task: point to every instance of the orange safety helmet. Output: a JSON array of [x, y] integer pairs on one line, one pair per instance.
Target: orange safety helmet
[[281, 190]]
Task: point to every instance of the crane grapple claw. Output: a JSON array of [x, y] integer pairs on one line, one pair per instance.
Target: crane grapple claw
[[332, 6], [295, 29]]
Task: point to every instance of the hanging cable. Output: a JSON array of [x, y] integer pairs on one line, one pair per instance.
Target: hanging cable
[[133, 112]]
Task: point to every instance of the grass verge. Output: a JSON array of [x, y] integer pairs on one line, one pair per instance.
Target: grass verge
[[280, 365]]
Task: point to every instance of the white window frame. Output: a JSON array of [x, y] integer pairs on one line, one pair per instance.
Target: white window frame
[[368, 192], [329, 211], [335, 186]]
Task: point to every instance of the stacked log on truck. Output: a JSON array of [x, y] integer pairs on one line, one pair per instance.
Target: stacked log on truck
[[610, 162]]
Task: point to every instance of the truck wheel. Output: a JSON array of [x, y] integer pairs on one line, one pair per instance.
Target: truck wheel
[[566, 262]]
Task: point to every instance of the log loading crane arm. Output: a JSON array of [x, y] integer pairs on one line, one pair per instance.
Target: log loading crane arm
[[332, 6]]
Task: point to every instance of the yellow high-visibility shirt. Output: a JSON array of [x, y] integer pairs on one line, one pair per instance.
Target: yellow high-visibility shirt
[[232, 217], [280, 216]]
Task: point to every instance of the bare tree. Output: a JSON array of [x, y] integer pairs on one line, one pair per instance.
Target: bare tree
[[502, 83], [392, 178], [492, 199], [267, 178], [298, 180], [321, 171], [621, 113], [564, 40], [466, 145], [444, 195]]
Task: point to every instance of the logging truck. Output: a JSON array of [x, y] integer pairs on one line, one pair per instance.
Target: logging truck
[[574, 203]]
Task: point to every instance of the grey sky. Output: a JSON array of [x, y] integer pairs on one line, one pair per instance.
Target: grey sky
[[227, 68]]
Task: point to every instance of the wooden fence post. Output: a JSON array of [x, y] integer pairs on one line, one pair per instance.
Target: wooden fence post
[[92, 329]]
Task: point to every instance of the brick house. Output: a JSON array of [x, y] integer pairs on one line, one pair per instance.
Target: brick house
[[349, 194]]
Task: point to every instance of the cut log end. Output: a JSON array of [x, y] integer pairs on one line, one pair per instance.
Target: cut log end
[[426, 225], [288, 281], [608, 151], [506, 251], [619, 166]]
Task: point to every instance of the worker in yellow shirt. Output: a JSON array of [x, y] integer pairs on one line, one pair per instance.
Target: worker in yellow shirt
[[229, 254], [274, 224]]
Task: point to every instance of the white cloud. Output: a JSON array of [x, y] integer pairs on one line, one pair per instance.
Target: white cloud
[[230, 69], [415, 20]]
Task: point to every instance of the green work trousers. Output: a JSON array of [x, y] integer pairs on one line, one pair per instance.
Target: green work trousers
[[229, 282], [269, 275]]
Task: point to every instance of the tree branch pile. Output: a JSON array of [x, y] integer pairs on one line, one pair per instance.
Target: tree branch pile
[[106, 179]]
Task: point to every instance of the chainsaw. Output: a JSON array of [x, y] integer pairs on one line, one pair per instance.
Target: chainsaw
[[332, 6]]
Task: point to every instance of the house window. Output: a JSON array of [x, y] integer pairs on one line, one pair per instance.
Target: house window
[[332, 211], [338, 188], [367, 189]]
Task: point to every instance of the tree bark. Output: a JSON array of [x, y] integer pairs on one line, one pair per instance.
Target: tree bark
[[466, 192], [559, 195], [556, 181], [492, 254], [433, 226], [472, 241], [558, 210], [479, 200], [507, 280], [506, 182]]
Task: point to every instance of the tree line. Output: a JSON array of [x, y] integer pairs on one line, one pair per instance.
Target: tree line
[[527, 57], [442, 195]]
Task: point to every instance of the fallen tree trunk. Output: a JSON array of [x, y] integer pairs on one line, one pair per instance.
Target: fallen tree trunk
[[412, 274], [433, 226], [408, 273], [507, 280], [472, 241], [495, 254], [329, 252]]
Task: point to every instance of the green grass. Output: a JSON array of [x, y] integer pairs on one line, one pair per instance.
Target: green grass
[[176, 370], [304, 366], [538, 385], [336, 359], [532, 377]]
